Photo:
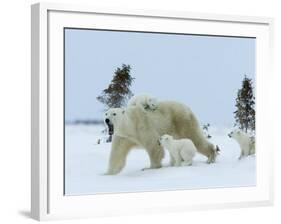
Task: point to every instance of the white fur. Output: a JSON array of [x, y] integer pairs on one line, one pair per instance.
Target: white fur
[[181, 151], [144, 101], [136, 128], [246, 142]]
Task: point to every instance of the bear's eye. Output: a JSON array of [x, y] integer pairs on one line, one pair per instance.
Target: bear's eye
[[114, 114], [105, 114]]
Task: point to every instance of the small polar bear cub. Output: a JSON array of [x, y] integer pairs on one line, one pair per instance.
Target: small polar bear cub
[[246, 142], [181, 151], [144, 101]]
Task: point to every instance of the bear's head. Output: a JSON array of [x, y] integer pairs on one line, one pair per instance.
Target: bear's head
[[165, 139], [235, 134], [152, 103], [111, 118]]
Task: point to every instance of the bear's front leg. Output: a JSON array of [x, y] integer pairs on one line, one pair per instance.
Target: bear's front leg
[[241, 154], [172, 160], [119, 151], [211, 158], [177, 159], [156, 154]]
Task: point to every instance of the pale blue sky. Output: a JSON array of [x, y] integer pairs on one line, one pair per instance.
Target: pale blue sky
[[204, 72]]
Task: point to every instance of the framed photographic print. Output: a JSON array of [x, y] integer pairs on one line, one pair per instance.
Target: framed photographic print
[[138, 111]]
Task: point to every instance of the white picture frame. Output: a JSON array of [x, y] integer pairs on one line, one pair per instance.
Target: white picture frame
[[47, 198]]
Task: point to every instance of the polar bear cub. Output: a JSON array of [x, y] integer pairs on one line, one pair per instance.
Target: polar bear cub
[[246, 142], [181, 151], [144, 101]]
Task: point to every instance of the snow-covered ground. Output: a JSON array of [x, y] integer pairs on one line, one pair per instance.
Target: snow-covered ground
[[86, 162]]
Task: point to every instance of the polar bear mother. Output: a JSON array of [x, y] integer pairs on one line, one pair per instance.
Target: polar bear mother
[[133, 127]]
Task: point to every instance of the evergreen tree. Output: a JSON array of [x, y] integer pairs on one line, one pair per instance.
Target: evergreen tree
[[118, 92], [245, 104]]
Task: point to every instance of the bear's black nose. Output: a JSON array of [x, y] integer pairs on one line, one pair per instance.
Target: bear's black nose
[[106, 120]]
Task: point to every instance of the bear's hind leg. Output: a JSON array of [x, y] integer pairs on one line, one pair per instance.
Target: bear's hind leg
[[187, 158]]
